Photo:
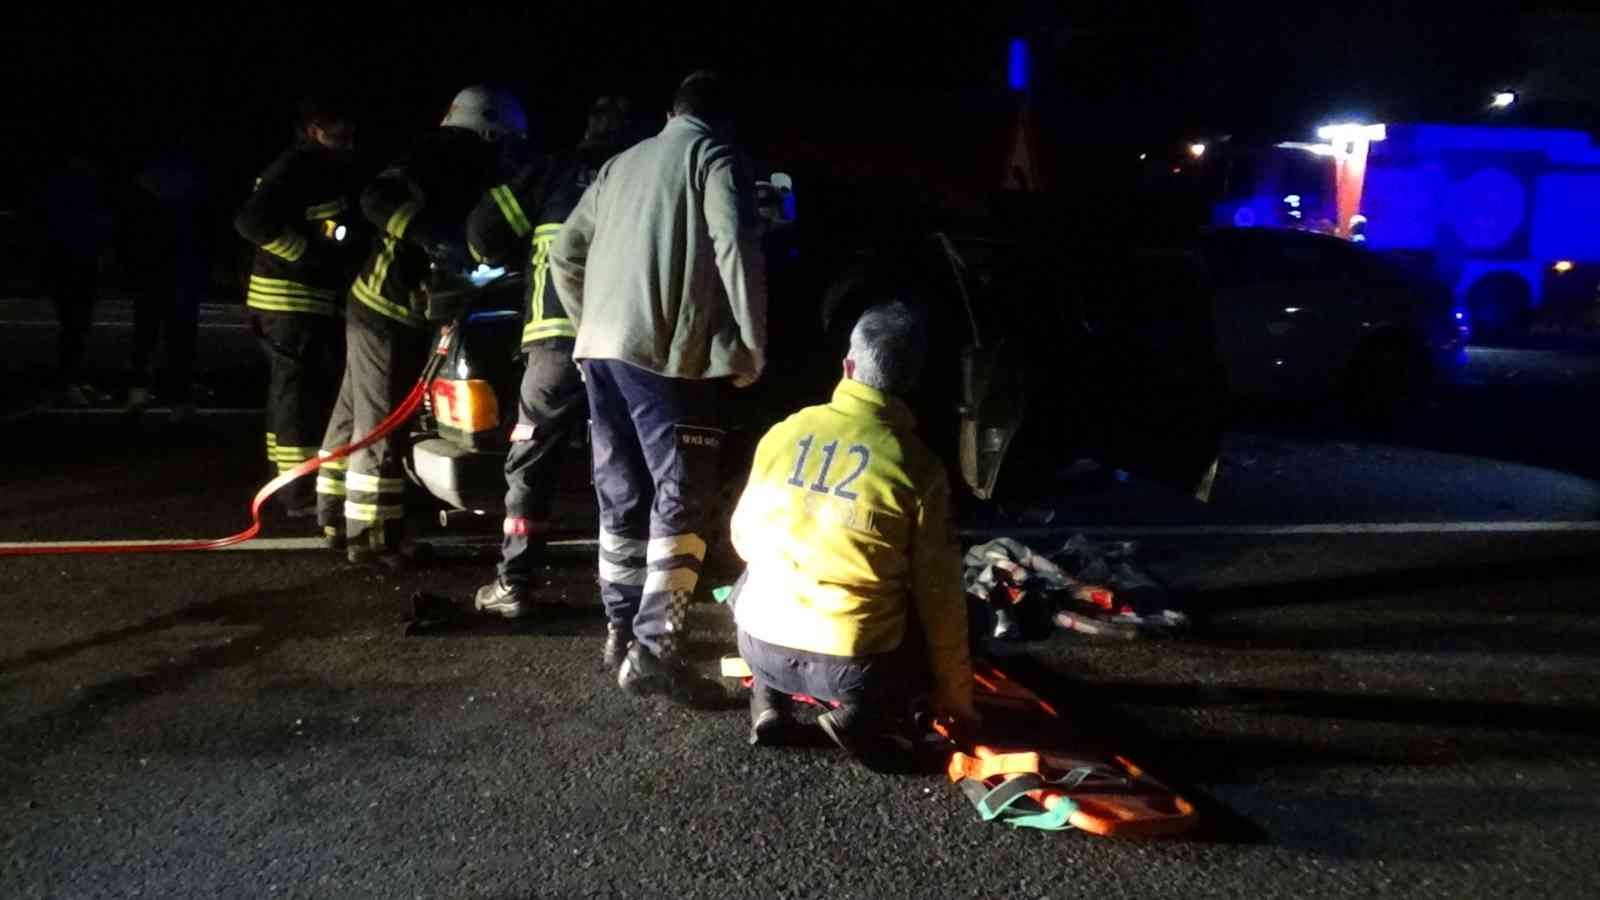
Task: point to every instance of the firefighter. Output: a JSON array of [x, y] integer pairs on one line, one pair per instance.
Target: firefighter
[[419, 206], [523, 217], [660, 269], [300, 218], [853, 592]]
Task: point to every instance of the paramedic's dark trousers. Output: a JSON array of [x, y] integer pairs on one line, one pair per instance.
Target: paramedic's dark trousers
[[881, 686], [550, 411], [655, 467], [382, 362], [305, 359]]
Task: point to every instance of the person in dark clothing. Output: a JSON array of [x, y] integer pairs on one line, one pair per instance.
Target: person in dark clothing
[[78, 228], [172, 263], [419, 206], [522, 218], [301, 220]]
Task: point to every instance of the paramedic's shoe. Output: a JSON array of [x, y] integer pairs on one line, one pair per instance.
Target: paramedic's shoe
[[770, 722], [642, 673], [619, 637], [501, 599], [867, 738]]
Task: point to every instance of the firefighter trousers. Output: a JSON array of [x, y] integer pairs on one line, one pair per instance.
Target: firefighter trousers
[[305, 357], [550, 410], [656, 448], [367, 498]]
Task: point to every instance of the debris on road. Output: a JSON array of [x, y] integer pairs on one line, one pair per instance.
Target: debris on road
[[1083, 586]]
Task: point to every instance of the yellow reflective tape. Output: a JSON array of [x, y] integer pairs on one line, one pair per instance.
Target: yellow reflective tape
[[373, 484], [333, 465], [401, 219], [549, 328], [548, 229], [279, 287], [272, 439], [372, 512], [540, 266], [333, 487], [511, 210], [284, 305], [383, 306], [326, 210], [290, 247]]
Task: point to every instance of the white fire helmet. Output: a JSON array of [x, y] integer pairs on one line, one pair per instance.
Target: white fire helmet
[[491, 113]]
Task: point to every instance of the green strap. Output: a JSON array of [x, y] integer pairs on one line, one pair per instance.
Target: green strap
[[1000, 803]]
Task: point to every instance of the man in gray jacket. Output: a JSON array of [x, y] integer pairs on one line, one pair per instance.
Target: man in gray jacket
[[660, 269]]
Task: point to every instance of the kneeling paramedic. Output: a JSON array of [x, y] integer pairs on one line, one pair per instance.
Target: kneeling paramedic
[[420, 206], [521, 219], [852, 591]]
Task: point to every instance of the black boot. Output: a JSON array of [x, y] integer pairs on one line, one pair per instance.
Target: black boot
[[619, 637], [642, 673], [770, 719]]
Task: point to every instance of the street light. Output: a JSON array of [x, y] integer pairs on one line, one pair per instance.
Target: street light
[[1503, 100], [1197, 150]]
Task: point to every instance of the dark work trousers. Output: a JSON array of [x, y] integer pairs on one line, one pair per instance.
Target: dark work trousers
[[550, 410], [305, 359], [655, 467], [879, 685], [382, 363], [167, 312], [73, 284]]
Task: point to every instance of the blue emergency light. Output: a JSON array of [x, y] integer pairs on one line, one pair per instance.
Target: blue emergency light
[[1017, 65]]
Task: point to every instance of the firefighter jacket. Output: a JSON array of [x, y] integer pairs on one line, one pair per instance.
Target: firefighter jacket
[[522, 218], [660, 265], [293, 219], [845, 527], [419, 206]]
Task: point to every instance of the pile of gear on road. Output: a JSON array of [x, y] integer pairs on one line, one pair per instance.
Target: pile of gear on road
[[1084, 587]]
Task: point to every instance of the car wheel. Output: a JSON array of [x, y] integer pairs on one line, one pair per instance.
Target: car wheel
[[1499, 305], [1385, 379]]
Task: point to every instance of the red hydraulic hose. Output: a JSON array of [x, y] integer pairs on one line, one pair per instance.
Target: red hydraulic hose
[[394, 420]]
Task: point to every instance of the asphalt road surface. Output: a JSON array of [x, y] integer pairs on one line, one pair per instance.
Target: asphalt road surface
[[1355, 713]]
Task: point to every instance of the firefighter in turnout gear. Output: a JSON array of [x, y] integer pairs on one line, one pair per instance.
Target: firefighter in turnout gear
[[521, 219], [660, 268], [419, 206], [300, 220]]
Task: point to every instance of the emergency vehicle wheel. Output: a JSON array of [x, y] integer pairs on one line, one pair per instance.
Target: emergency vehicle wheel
[[1499, 304]]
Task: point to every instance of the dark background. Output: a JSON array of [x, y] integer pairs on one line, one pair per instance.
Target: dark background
[[918, 85]]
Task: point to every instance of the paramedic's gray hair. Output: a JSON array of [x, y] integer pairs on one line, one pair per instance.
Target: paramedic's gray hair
[[888, 346]]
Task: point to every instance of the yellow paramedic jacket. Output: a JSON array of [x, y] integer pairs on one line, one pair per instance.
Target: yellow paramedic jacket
[[844, 523]]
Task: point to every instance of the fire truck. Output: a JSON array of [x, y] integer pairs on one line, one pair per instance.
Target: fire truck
[[1507, 217]]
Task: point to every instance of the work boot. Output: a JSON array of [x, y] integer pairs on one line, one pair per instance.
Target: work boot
[[501, 599], [333, 537], [770, 721], [619, 637], [362, 553], [642, 673], [866, 737]]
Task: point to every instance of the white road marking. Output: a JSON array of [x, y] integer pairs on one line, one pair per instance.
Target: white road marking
[[39, 323], [1322, 529], [488, 542], [292, 543]]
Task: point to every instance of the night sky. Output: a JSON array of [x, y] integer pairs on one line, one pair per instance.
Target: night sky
[[223, 80]]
